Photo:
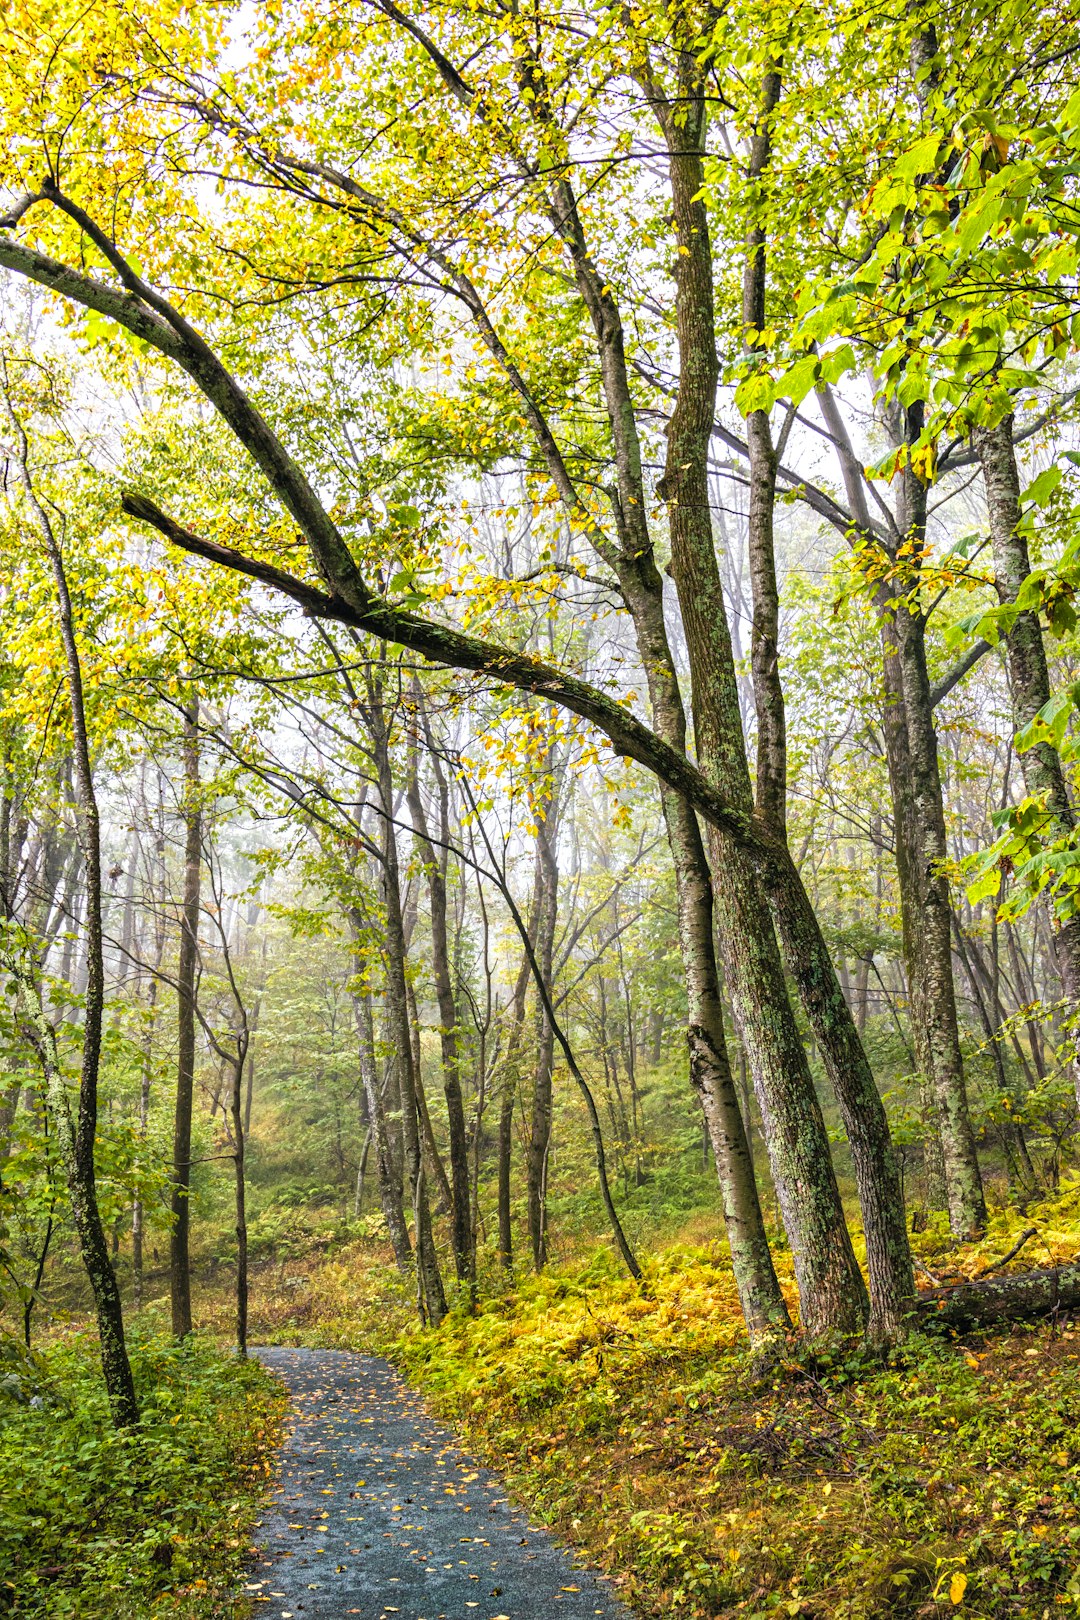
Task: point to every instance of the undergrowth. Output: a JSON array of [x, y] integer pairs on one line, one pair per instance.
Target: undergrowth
[[155, 1521], [633, 1420]]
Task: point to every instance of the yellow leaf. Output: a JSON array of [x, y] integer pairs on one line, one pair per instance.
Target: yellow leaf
[[957, 1587]]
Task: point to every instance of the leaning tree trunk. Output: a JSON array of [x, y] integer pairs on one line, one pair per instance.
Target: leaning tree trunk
[[1029, 679], [179, 1255], [77, 1140]]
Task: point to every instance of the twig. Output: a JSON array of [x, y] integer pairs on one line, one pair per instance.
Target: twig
[[996, 1265]]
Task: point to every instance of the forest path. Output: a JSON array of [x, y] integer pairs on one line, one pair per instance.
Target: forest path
[[378, 1513]]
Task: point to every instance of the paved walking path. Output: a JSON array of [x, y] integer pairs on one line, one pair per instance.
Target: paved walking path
[[379, 1514]]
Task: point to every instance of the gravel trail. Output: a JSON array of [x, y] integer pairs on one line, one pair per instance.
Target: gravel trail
[[379, 1514]]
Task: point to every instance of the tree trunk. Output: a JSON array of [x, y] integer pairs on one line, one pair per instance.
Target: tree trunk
[[1029, 680], [429, 1279], [179, 1257], [461, 1224], [919, 825], [988, 1303], [831, 1288], [807, 956], [138, 1214], [433, 1158], [547, 821], [509, 1083], [249, 1087], [77, 1142], [386, 1169], [145, 1078], [237, 1111], [934, 1002], [877, 1173]]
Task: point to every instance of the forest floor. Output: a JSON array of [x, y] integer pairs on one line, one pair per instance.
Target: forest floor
[[633, 1422]]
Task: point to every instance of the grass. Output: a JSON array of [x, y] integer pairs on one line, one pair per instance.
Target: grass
[[147, 1523]]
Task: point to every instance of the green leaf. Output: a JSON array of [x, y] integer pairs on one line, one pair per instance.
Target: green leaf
[[1040, 489], [920, 159]]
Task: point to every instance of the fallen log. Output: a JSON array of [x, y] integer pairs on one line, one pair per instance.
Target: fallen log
[[996, 1300]]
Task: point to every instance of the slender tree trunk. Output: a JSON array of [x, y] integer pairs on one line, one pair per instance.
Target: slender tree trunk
[[386, 1169], [919, 829], [77, 1140], [145, 1080], [179, 1255], [906, 855], [461, 1208], [1012, 1135], [157, 886], [936, 1019], [429, 1279], [547, 818], [236, 1109], [505, 1160], [432, 1157], [249, 1088], [510, 1079], [1029, 681]]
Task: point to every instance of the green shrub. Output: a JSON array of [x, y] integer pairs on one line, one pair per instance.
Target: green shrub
[[95, 1522]]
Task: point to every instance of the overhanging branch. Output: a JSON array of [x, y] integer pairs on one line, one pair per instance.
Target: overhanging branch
[[442, 644]]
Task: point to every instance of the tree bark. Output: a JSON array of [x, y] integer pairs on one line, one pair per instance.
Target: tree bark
[[996, 1300], [77, 1139], [808, 959], [1029, 680], [510, 1076], [386, 1169], [179, 1202], [145, 1079], [918, 821], [547, 822], [236, 1109], [429, 1278], [159, 880], [934, 993], [461, 1224], [831, 1288]]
